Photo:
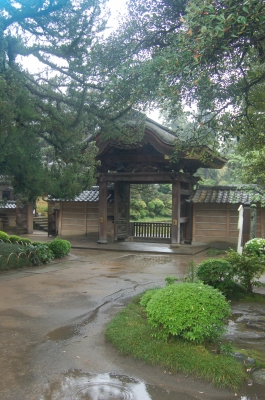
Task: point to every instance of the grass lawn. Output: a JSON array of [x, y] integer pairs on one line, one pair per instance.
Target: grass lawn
[[130, 333]]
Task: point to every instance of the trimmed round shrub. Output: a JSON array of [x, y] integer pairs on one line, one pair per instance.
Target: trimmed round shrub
[[14, 238], [191, 311], [218, 273], [3, 236], [60, 247], [255, 246]]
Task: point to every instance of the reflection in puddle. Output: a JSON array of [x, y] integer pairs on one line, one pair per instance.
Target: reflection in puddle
[[77, 385], [63, 333]]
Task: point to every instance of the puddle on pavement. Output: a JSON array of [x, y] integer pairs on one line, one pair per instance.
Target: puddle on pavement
[[77, 385], [246, 330], [70, 331], [63, 333], [135, 258]]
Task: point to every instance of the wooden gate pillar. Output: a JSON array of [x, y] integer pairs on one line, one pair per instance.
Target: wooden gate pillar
[[175, 229], [121, 210], [102, 212], [30, 218]]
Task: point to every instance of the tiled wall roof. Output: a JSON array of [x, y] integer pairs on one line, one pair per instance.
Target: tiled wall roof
[[9, 204], [87, 195], [221, 194]]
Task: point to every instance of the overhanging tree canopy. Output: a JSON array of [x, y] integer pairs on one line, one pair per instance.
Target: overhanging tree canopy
[[47, 115], [208, 54], [207, 58]]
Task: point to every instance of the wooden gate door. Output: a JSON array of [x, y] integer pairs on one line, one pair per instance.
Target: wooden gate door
[[52, 220], [121, 210]]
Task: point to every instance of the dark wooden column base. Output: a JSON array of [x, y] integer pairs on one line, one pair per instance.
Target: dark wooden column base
[[102, 212], [175, 229]]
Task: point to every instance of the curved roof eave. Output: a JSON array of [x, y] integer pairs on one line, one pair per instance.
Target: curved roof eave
[[164, 134], [163, 140]]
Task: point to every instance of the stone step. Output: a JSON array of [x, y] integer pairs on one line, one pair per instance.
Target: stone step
[[41, 218], [40, 223]]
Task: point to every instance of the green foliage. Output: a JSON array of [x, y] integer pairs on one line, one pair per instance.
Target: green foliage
[[156, 206], [143, 214], [12, 257], [3, 236], [219, 274], [235, 275], [255, 246], [46, 116], [191, 276], [191, 62], [165, 188], [24, 241], [14, 238], [170, 280], [167, 212], [138, 205], [39, 254], [132, 335], [214, 271], [60, 247], [15, 256], [192, 311], [7, 248], [134, 215], [227, 349], [247, 268], [37, 243]]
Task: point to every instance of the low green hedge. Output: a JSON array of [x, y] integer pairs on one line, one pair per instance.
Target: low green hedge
[[14, 238], [17, 252], [3, 236]]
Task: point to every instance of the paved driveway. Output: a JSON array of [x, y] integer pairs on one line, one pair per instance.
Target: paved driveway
[[52, 323]]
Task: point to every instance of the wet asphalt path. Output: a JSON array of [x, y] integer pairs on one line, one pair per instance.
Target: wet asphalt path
[[52, 322]]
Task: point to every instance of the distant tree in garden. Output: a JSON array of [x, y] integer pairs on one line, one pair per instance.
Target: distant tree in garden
[[144, 192], [165, 188], [138, 204], [156, 206]]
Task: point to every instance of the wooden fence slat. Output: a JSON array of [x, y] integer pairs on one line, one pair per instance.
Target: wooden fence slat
[[152, 229]]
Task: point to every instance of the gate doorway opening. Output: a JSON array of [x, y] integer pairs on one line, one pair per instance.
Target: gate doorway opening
[[176, 230], [151, 212]]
